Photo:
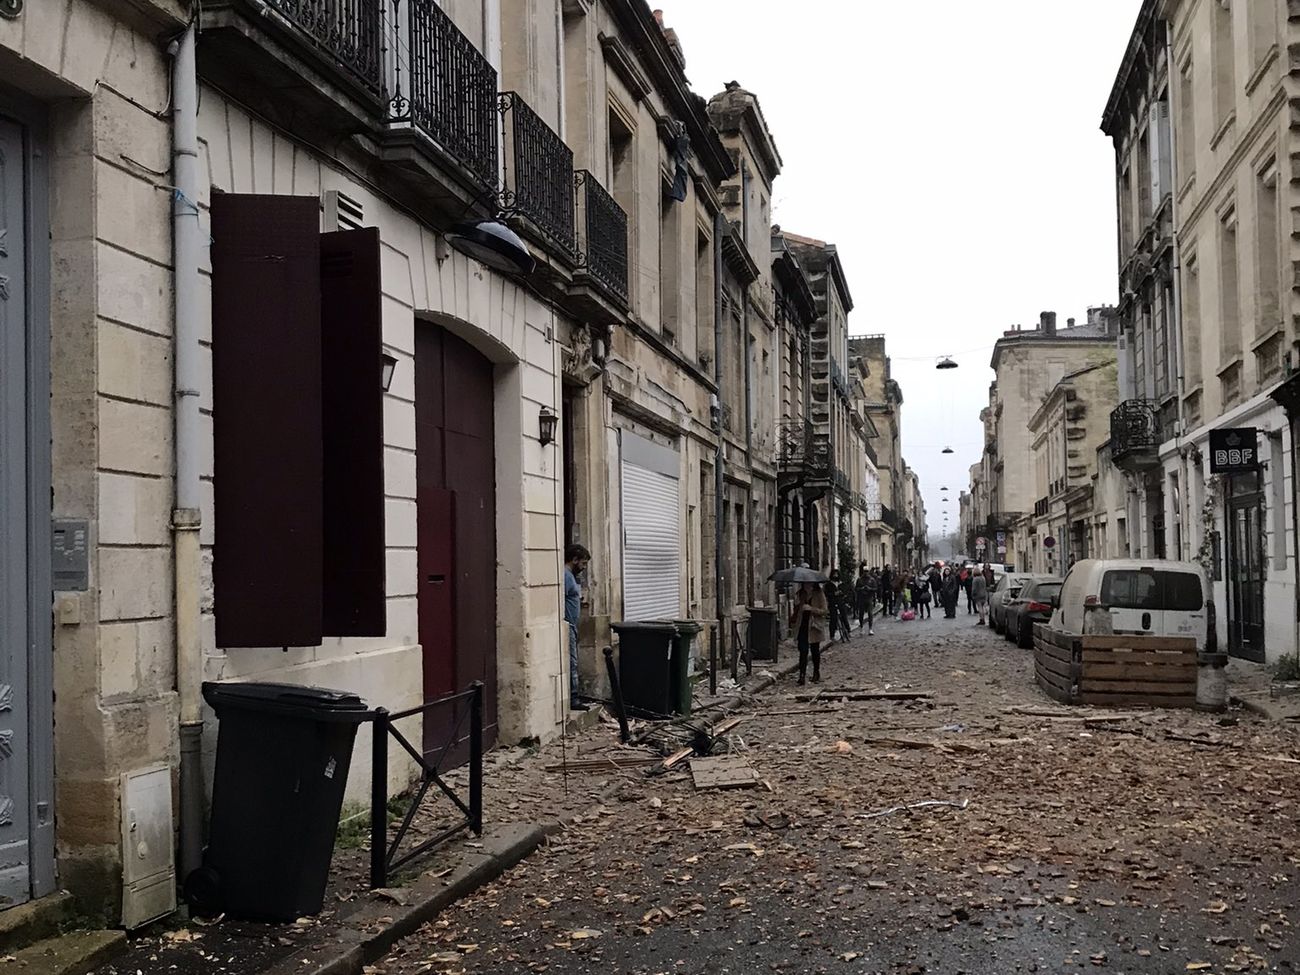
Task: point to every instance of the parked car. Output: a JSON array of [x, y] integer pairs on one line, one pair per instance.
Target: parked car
[[1147, 597], [1034, 604], [1007, 586]]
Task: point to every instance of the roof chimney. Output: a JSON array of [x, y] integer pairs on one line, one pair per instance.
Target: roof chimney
[[1069, 323], [1047, 322]]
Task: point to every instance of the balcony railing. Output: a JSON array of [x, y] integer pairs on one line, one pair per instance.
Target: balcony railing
[[345, 32], [1041, 506], [602, 247], [1134, 432], [794, 442], [888, 516], [452, 91], [539, 173]]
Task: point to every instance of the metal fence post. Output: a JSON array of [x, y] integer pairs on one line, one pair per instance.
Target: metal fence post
[[379, 799], [476, 759], [616, 691], [713, 659]]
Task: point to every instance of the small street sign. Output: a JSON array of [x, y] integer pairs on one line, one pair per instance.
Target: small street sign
[[1233, 450], [1049, 542]]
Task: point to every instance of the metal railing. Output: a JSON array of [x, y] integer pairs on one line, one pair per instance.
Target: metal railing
[[384, 856], [452, 92], [538, 170], [1133, 427], [602, 250], [888, 516], [347, 32], [794, 441], [1041, 506]]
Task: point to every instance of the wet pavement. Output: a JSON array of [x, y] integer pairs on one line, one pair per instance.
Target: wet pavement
[[1068, 845]]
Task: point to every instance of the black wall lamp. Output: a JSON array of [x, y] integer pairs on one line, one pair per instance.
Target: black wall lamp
[[546, 421], [387, 366], [493, 243]]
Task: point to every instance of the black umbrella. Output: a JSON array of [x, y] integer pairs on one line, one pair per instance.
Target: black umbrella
[[800, 573]]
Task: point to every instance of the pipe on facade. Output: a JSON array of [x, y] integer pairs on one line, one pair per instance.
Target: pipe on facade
[[719, 225], [186, 514], [749, 399]]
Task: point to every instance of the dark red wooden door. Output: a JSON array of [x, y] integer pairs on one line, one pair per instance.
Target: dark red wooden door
[[456, 512]]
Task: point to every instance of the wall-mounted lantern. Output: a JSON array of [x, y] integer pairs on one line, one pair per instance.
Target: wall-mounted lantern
[[546, 421], [387, 366], [492, 243]]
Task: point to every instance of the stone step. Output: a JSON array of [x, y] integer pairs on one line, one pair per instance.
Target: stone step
[[31, 922], [74, 953]]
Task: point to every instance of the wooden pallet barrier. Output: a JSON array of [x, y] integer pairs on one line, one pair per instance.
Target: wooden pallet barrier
[[1139, 671]]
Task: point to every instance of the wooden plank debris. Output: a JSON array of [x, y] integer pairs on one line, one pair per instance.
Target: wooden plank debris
[[851, 694]]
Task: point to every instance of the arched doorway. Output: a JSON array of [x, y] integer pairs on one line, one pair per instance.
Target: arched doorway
[[456, 524]]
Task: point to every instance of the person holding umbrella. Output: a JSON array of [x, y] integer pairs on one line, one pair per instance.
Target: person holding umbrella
[[808, 619]]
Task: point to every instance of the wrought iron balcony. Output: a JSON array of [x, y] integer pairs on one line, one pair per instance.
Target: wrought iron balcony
[[539, 173], [794, 443], [602, 243], [841, 480], [888, 516], [449, 92], [1135, 435], [1041, 506], [347, 33]]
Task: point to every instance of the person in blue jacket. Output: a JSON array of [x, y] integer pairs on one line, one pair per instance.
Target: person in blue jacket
[[576, 558]]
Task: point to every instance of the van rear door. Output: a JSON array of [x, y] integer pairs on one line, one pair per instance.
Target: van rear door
[[1155, 602]]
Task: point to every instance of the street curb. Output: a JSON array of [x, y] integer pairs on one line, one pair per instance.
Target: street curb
[[354, 947], [1256, 707], [376, 926]]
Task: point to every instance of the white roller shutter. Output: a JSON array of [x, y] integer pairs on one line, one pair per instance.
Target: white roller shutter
[[652, 555]]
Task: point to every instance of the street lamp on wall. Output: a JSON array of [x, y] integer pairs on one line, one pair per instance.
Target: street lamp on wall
[[546, 421], [387, 366]]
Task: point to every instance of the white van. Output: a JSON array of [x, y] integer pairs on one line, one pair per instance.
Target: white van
[[1146, 597]]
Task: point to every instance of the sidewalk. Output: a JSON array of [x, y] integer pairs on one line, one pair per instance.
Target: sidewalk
[[1252, 686], [529, 796]]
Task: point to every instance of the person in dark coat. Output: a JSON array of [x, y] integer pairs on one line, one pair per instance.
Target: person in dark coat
[[865, 591], [839, 619], [887, 592], [950, 591], [935, 578]]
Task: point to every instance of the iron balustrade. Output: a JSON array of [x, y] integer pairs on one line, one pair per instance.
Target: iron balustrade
[[347, 32], [539, 167], [384, 856], [794, 441], [603, 248], [452, 92], [1134, 427]]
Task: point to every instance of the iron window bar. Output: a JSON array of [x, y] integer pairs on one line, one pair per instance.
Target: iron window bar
[[347, 32], [538, 167], [451, 93], [384, 857], [603, 248]]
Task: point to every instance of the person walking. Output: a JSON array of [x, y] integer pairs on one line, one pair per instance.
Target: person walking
[[887, 591], [576, 558], [839, 624], [862, 594], [979, 595], [936, 582], [951, 589], [966, 576], [988, 575], [921, 596], [807, 619], [896, 594]]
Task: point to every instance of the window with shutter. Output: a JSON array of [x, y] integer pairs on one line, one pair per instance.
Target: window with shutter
[[651, 530]]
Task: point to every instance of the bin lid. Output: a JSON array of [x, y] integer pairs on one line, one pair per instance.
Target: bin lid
[[763, 610], [688, 627], [644, 626], [320, 702]]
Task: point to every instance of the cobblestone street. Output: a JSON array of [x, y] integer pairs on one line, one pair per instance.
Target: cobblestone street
[[1072, 843]]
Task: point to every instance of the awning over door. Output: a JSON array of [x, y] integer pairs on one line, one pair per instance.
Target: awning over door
[[652, 537]]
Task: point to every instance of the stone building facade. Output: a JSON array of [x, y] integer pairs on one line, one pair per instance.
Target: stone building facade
[[345, 335], [1204, 145]]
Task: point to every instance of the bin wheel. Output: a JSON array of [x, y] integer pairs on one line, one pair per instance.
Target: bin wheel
[[203, 891]]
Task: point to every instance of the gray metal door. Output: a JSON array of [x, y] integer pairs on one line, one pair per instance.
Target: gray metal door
[[15, 796]]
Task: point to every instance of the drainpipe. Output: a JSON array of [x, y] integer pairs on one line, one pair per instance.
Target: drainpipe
[[1184, 469], [186, 515], [719, 457], [749, 399]]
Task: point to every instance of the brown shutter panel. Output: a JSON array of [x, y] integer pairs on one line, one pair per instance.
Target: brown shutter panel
[[352, 335], [266, 372]]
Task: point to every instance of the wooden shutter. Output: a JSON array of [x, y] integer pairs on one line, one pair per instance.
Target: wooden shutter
[[353, 422], [266, 371]]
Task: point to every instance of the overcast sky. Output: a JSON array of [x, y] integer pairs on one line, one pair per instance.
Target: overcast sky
[[951, 150]]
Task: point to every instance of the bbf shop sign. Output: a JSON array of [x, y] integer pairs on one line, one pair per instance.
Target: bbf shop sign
[[1233, 450]]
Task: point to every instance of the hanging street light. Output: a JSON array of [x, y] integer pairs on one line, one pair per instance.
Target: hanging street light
[[948, 450], [945, 362]]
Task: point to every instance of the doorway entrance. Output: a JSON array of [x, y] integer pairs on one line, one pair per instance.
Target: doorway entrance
[[1246, 567], [456, 528], [26, 678]]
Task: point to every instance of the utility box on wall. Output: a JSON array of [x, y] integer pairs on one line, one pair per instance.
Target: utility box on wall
[[148, 865]]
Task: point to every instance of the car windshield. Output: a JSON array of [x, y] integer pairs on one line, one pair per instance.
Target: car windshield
[[1044, 591], [1151, 589]]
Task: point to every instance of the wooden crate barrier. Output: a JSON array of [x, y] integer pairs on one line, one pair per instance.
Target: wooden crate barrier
[[1140, 671]]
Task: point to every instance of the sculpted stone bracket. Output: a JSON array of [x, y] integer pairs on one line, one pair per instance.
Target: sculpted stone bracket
[[584, 361]]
